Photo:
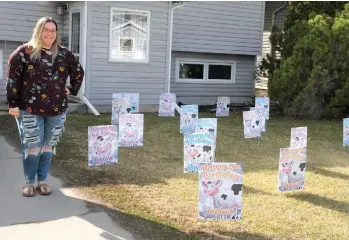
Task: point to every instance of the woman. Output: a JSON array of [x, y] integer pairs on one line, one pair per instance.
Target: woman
[[37, 97]]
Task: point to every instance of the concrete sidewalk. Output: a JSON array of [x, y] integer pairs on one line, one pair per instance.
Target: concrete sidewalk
[[59, 216]]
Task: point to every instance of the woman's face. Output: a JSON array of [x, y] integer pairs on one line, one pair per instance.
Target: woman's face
[[49, 34]]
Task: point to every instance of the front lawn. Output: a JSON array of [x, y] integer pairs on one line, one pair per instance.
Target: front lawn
[[149, 183]]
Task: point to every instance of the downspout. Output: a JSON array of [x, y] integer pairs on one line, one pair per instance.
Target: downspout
[[276, 11], [273, 19], [169, 47], [169, 40], [82, 93]]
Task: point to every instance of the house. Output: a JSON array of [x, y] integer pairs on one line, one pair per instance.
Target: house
[[275, 14], [197, 50]]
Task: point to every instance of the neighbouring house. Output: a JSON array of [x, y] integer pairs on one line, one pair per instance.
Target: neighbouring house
[[275, 14], [197, 50]]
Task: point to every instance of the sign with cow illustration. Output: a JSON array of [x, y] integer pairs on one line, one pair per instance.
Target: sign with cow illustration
[[207, 125], [252, 124], [198, 147], [131, 130], [124, 103], [167, 105], [220, 191], [223, 106], [346, 132], [263, 102], [299, 137], [261, 113], [292, 166], [189, 115], [102, 145]]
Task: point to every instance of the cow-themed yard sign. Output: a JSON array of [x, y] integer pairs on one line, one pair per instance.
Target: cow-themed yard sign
[[261, 113], [346, 132], [131, 130], [252, 124], [189, 115], [223, 106], [263, 102], [124, 103], [167, 105], [299, 137], [207, 125], [220, 191], [292, 166], [102, 145], [199, 147]]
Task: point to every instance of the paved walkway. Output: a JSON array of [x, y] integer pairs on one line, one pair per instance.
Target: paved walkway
[[60, 216]]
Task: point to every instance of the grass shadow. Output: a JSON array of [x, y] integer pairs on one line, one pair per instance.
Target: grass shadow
[[325, 202], [331, 174], [250, 190], [235, 236], [148, 229]]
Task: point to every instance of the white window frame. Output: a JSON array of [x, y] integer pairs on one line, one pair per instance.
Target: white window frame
[[110, 35], [1, 64], [190, 80], [206, 64]]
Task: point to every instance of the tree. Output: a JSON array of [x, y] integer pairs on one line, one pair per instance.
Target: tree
[[311, 79]]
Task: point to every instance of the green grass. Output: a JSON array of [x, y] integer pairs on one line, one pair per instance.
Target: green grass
[[160, 201]]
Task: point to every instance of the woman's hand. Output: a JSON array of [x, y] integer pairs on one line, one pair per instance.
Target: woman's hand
[[67, 91], [14, 112]]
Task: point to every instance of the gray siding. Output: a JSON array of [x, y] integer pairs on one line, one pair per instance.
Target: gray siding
[[104, 77], [219, 27], [8, 48], [207, 93], [23, 16], [279, 20]]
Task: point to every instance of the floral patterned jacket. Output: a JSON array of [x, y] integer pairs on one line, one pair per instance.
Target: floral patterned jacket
[[38, 86]]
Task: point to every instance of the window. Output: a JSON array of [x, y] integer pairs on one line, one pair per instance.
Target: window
[[75, 34], [129, 35], [194, 71], [220, 72], [1, 65], [191, 71]]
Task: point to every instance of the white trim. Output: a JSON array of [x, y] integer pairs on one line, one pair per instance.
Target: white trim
[[206, 64], [1, 64], [148, 14], [83, 49]]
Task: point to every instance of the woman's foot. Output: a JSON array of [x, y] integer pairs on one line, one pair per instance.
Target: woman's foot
[[28, 190], [43, 188]]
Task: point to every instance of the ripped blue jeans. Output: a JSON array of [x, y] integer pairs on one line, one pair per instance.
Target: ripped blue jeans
[[37, 132]]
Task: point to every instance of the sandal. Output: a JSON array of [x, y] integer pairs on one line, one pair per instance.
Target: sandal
[[44, 186], [30, 190]]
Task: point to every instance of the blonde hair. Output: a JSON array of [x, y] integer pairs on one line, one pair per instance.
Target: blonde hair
[[36, 41]]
